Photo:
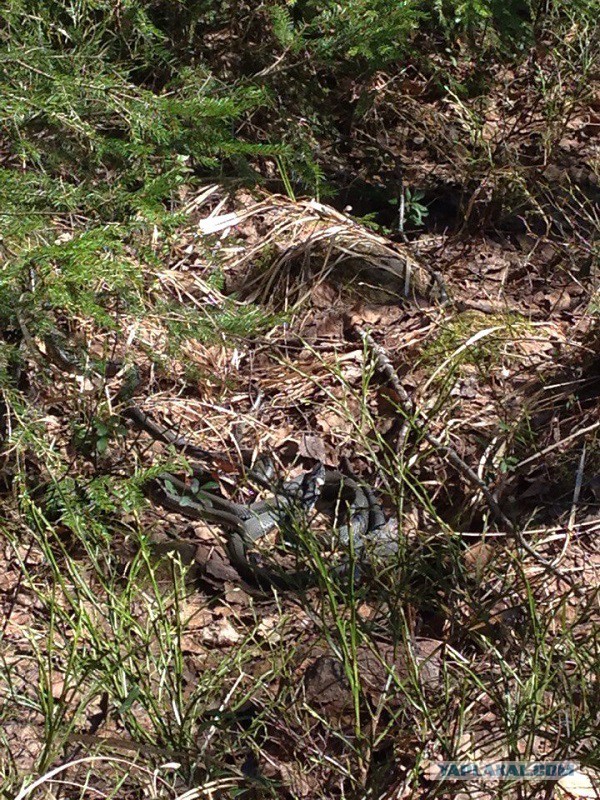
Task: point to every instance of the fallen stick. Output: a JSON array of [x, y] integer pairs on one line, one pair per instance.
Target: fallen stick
[[419, 422]]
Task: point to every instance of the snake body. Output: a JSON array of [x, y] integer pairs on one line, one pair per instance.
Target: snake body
[[362, 519]]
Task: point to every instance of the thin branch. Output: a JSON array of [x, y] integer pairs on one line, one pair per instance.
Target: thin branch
[[420, 422]]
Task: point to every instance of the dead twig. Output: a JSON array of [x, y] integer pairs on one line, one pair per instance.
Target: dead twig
[[555, 445], [420, 422]]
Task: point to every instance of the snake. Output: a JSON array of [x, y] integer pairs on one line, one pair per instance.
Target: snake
[[363, 525], [362, 519]]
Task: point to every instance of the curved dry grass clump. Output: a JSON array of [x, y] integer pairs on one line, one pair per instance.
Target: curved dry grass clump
[[308, 242]]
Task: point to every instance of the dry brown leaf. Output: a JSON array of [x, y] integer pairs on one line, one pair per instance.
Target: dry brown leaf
[[315, 447], [296, 779], [582, 783], [220, 633]]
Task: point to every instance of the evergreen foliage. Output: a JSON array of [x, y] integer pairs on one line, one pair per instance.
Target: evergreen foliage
[[109, 109], [94, 99], [100, 119]]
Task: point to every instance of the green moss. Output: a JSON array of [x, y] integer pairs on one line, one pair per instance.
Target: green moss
[[456, 332]]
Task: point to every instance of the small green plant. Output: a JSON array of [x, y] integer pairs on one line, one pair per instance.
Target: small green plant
[[229, 319], [415, 211], [95, 437], [370, 33]]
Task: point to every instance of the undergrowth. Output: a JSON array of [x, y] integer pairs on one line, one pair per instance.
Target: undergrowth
[[121, 663], [143, 679]]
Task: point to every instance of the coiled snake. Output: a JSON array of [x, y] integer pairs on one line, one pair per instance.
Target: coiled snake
[[363, 525], [363, 529]]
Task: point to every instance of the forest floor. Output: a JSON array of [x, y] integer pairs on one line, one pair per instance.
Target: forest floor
[[127, 673]]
